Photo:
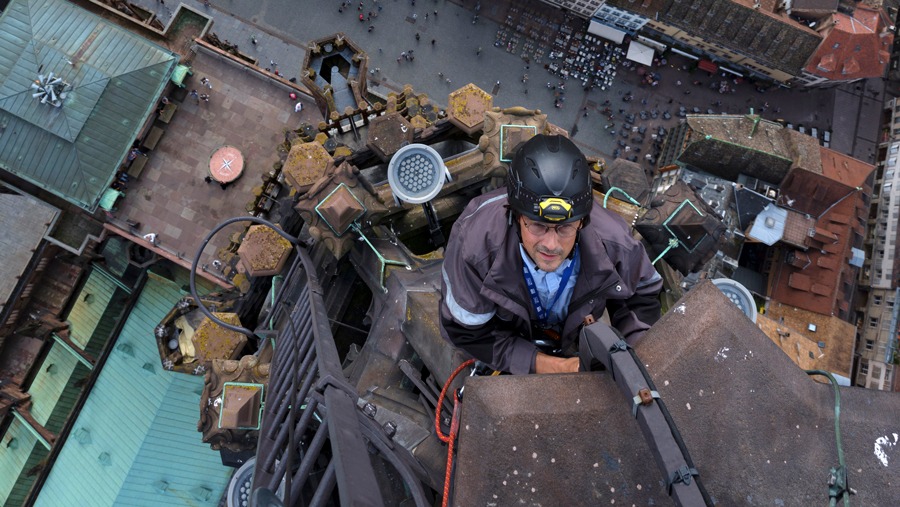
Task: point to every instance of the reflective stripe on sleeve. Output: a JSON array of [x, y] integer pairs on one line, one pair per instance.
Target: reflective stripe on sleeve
[[459, 313], [643, 283]]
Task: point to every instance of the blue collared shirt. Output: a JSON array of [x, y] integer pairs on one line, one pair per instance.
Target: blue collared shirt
[[547, 284]]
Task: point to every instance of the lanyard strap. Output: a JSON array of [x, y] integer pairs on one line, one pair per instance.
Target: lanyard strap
[[539, 307]]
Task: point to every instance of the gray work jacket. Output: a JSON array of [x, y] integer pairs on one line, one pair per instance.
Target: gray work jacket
[[485, 308]]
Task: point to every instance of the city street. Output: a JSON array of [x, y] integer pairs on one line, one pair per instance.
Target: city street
[[454, 59]]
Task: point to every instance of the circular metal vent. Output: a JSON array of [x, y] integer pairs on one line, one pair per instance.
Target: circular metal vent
[[416, 173], [739, 295]]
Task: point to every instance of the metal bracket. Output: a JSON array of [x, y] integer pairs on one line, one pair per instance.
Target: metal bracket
[[682, 475], [643, 397]]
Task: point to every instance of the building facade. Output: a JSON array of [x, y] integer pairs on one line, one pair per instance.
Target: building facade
[[877, 349]]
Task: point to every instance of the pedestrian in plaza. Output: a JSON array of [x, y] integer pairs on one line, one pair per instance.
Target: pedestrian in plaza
[[204, 97], [205, 82], [426, 16], [417, 36], [298, 107], [432, 42], [152, 238], [293, 96], [193, 93], [371, 27]]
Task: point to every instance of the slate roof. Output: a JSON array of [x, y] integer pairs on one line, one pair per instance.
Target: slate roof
[[144, 448], [748, 204], [771, 38], [698, 235], [855, 47], [24, 221], [728, 145], [115, 79]]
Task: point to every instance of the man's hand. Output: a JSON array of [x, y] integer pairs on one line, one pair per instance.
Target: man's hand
[[544, 363]]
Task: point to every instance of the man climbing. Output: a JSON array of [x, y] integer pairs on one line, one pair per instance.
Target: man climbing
[[525, 266]]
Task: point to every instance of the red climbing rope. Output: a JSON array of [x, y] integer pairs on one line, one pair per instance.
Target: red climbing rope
[[450, 438]]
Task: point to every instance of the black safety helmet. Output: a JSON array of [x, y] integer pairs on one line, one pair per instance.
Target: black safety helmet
[[549, 180]]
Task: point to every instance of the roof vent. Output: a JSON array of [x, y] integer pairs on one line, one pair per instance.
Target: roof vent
[[812, 327], [770, 222]]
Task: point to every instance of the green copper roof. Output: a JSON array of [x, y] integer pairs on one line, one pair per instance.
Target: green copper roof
[[144, 448], [89, 307], [114, 80]]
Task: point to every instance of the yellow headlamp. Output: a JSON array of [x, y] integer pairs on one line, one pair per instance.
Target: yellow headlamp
[[554, 209]]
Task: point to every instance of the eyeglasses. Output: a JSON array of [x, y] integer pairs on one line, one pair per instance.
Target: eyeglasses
[[563, 230]]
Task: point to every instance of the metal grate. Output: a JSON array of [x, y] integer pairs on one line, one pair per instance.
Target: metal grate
[[313, 437]]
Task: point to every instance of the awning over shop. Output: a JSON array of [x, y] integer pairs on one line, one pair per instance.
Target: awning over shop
[[109, 198], [659, 46], [640, 53], [708, 66], [607, 32], [682, 53]]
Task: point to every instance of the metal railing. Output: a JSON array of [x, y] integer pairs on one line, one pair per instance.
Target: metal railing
[[313, 436]]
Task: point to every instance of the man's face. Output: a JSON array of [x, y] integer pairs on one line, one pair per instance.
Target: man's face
[[549, 250]]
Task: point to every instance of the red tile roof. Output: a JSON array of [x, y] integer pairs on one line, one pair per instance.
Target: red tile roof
[[844, 168], [821, 285], [854, 47]]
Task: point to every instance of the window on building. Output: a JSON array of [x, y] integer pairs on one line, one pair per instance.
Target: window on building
[[870, 344], [889, 303], [877, 299], [864, 368], [895, 148]]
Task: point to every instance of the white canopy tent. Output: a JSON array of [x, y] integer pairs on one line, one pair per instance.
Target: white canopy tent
[[607, 32], [640, 53]]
